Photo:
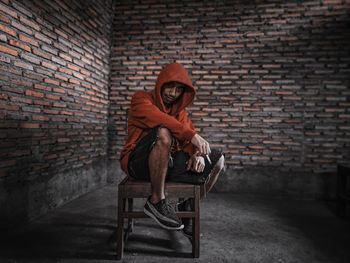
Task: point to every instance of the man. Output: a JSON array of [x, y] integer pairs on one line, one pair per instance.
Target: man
[[162, 144]]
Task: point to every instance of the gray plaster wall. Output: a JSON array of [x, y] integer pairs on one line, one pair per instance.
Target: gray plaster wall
[[24, 198], [114, 172], [266, 181], [272, 182]]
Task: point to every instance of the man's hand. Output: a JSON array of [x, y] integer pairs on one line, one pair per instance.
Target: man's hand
[[196, 163], [202, 145]]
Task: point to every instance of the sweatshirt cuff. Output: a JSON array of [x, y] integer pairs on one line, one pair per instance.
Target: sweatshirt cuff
[[188, 135]]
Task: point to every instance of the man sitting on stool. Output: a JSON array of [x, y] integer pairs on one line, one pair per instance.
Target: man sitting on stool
[[162, 145]]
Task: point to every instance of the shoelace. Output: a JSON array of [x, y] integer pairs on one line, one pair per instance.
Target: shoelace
[[167, 207]]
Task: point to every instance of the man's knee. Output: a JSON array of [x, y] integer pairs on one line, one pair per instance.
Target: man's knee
[[220, 164], [164, 137]]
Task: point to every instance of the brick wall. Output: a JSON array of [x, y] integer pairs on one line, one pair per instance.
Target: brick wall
[[272, 79], [54, 77]]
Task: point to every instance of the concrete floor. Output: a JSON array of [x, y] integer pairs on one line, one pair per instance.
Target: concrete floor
[[233, 229]]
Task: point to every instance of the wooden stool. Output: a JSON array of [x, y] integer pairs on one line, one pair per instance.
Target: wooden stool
[[129, 189], [343, 189]]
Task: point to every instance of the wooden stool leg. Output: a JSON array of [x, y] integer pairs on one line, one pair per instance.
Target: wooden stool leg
[[120, 238], [130, 209], [196, 229]]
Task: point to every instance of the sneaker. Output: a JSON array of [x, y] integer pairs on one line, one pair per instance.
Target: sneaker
[[188, 222], [188, 227], [181, 206], [164, 214]]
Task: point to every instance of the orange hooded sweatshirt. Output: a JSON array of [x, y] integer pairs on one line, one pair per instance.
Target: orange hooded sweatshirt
[[148, 111]]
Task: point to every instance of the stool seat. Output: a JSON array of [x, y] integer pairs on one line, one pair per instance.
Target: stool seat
[[129, 189]]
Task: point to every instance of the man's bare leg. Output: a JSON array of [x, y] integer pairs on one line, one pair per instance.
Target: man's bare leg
[[188, 222], [158, 164], [213, 176]]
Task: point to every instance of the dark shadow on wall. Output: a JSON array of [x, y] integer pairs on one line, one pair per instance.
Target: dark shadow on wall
[[32, 187], [14, 184]]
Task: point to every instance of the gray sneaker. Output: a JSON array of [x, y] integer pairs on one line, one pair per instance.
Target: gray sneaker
[[164, 214], [188, 227], [188, 222]]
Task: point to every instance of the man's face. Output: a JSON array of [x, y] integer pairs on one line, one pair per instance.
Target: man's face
[[171, 91]]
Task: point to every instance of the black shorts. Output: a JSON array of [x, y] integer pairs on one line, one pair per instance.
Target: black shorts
[[138, 159]]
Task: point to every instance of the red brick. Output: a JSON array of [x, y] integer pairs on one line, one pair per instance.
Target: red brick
[[28, 125], [272, 120], [272, 142], [67, 113], [74, 81], [52, 97], [291, 98], [250, 153], [41, 54], [52, 81], [70, 66], [9, 107], [42, 102], [292, 121], [4, 96], [256, 147], [29, 23], [284, 93], [64, 85], [257, 34], [62, 155], [4, 19], [28, 40], [63, 139], [21, 99], [42, 87], [50, 157], [40, 118], [18, 153], [48, 111], [7, 30], [65, 57], [7, 163], [8, 51], [48, 65], [59, 32], [278, 148], [43, 38], [34, 94], [39, 167], [251, 109]]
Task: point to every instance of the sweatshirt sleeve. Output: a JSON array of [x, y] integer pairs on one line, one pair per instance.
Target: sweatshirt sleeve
[[144, 114]]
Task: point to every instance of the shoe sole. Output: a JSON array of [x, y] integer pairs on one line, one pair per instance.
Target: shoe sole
[[187, 235], [190, 237], [159, 223]]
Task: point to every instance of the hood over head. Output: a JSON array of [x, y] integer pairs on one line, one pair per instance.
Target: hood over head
[[174, 72]]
